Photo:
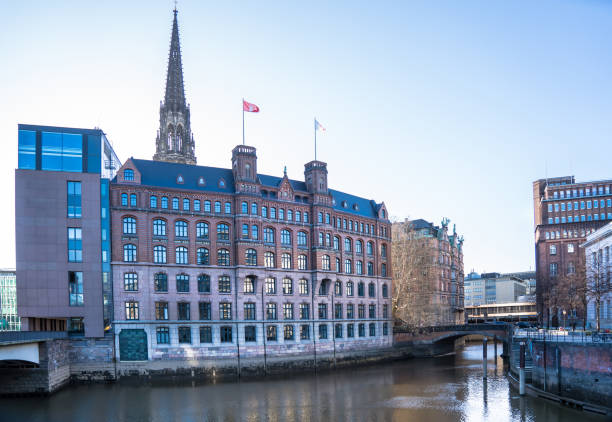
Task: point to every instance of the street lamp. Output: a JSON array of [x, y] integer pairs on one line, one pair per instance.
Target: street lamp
[[564, 313]]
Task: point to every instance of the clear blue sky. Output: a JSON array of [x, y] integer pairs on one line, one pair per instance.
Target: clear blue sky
[[439, 108]]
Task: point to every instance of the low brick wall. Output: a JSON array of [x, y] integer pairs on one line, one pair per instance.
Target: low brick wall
[[581, 371]]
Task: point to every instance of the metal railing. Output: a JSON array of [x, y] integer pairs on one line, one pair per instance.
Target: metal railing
[[563, 336]]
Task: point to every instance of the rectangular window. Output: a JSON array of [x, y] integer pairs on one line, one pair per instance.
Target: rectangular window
[[27, 149], [322, 310], [74, 200], [304, 311], [305, 332], [75, 288], [75, 245], [184, 334], [338, 331], [131, 310], [350, 329], [288, 310], [224, 284], [250, 334], [271, 333], [338, 311], [205, 310], [350, 311], [205, 334], [225, 310], [249, 311], [161, 310], [323, 331], [163, 335], [226, 334], [288, 332], [62, 151], [271, 311], [184, 311]]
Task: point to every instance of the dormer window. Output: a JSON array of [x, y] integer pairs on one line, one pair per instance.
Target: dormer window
[[179, 179], [221, 183], [356, 207], [344, 204], [384, 214], [201, 181], [128, 174]]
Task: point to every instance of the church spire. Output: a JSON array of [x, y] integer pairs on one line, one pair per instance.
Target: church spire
[[174, 139]]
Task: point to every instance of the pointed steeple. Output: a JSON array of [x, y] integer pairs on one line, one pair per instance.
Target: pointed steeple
[[174, 141], [175, 91]]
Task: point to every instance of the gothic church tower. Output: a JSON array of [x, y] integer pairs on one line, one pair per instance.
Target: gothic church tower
[[174, 139]]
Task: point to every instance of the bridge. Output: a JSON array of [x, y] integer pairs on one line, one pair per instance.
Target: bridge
[[441, 339]]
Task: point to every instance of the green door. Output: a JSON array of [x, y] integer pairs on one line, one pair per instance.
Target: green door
[[133, 345]]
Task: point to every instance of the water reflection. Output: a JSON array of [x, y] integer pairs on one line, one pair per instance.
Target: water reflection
[[448, 388]]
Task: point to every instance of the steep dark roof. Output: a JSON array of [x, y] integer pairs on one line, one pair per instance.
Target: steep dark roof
[[165, 174], [175, 92], [421, 224]]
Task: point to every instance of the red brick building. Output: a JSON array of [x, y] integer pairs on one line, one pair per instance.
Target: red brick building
[[565, 212], [229, 262]]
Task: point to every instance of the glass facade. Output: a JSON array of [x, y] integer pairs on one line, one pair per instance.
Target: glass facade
[[9, 321]]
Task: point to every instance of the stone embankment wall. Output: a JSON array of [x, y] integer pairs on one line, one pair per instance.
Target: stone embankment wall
[[580, 371]]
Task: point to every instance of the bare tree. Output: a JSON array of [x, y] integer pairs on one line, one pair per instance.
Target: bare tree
[[597, 284], [571, 292], [415, 275]]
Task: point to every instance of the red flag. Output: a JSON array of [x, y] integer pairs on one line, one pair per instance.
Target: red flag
[[246, 106]]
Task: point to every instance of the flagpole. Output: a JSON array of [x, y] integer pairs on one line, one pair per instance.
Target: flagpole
[[315, 131], [243, 121]]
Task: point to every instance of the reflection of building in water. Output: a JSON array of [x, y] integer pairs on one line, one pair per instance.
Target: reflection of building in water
[[9, 321]]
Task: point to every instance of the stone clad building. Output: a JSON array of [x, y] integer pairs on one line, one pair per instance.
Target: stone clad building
[[221, 262]]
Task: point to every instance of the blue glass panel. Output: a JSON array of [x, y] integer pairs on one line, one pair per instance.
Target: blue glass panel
[[72, 152], [27, 149], [94, 159], [51, 151]]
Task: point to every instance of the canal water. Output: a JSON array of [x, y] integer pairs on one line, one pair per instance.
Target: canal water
[[448, 388]]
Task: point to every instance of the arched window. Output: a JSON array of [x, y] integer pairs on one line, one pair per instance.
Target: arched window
[[286, 261], [202, 230], [360, 289], [185, 204], [347, 245], [251, 257], [383, 250], [254, 208], [207, 206], [153, 201], [359, 246], [383, 270], [196, 205], [370, 268], [301, 239], [320, 217], [298, 216], [385, 290], [268, 235], [371, 290], [182, 283], [132, 200], [175, 203], [181, 255], [159, 227], [325, 264], [244, 207], [128, 174], [129, 225], [222, 231], [248, 286], [203, 256], [160, 282], [130, 282], [281, 214], [264, 212], [348, 266], [370, 249], [303, 286], [302, 262], [247, 170], [217, 207], [164, 202], [336, 243], [285, 237], [228, 207], [159, 254], [180, 229], [359, 267], [129, 253], [203, 283], [289, 215], [272, 212], [338, 267], [338, 288], [223, 257], [287, 286], [254, 232], [269, 259], [124, 199], [349, 288]]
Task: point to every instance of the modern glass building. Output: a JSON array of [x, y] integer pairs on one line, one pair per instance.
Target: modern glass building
[[63, 229], [9, 320]]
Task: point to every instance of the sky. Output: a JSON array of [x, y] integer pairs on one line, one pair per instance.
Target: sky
[[438, 108]]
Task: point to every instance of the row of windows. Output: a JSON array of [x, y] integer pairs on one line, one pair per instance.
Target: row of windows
[[574, 193], [206, 332], [553, 249], [553, 269], [160, 285], [349, 225], [348, 266], [567, 234], [183, 311], [562, 206], [579, 218]]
